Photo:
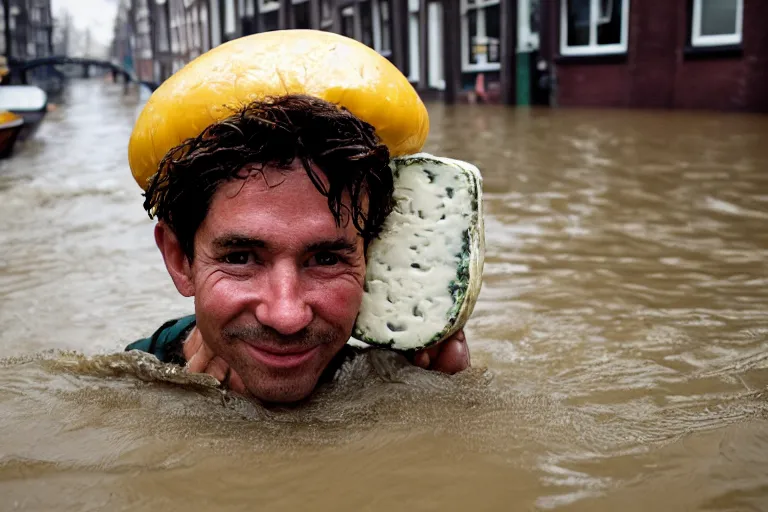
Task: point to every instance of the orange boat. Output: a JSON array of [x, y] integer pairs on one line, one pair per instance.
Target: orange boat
[[10, 126]]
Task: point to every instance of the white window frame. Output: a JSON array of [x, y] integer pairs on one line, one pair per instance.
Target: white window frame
[[268, 5], [215, 23], [174, 35], [378, 28], [162, 34], [435, 71], [189, 30], [480, 6], [196, 28], [697, 39], [230, 17], [414, 41], [593, 48], [527, 39], [206, 37], [347, 12]]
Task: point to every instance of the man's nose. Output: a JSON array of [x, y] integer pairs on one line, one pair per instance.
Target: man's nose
[[283, 306]]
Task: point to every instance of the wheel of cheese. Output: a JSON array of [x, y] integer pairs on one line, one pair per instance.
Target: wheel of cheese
[[322, 64], [424, 271]]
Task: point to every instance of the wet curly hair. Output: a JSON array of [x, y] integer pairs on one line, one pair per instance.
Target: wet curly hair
[[275, 132]]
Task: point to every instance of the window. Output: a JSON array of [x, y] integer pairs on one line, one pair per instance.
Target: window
[[413, 40], [382, 28], [271, 20], [528, 14], [594, 27], [175, 45], [480, 35], [435, 72], [204, 27], [162, 28], [215, 24], [366, 23], [716, 22], [301, 14], [229, 17], [195, 28], [326, 19], [269, 6], [250, 8], [189, 33], [347, 22]]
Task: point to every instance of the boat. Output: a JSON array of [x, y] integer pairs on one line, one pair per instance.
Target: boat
[[27, 101], [10, 127]]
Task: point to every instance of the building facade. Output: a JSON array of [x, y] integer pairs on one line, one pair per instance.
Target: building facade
[[689, 54], [611, 53], [26, 29]]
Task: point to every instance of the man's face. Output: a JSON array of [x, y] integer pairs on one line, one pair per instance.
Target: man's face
[[277, 284]]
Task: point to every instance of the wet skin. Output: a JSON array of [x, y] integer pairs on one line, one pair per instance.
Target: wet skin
[[277, 287]]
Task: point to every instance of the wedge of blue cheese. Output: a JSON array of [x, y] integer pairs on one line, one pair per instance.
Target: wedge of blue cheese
[[425, 269]]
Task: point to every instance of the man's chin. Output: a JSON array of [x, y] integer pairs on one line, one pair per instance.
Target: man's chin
[[282, 392]]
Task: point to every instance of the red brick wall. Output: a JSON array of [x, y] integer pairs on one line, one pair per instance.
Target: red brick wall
[[656, 72], [592, 85]]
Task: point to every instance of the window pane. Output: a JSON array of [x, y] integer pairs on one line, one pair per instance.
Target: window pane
[[270, 21], [578, 22], [229, 16], [366, 23], [493, 31], [413, 46], [204, 23], [718, 17], [301, 14], [472, 24], [386, 24], [534, 12], [609, 22], [325, 9], [347, 29]]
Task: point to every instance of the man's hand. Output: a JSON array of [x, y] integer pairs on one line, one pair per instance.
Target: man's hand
[[450, 356], [200, 359]]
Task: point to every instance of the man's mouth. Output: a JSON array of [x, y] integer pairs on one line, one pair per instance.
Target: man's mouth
[[281, 357]]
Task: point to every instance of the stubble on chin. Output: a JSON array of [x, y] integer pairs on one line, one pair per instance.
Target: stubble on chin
[[278, 385]]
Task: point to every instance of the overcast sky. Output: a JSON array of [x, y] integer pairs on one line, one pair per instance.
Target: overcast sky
[[99, 15]]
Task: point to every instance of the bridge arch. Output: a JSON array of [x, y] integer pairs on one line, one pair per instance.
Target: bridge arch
[[19, 69]]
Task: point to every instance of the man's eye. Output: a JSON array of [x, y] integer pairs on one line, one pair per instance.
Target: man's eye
[[236, 258], [326, 259]]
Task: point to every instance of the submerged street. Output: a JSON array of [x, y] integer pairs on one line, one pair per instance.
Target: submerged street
[[619, 345]]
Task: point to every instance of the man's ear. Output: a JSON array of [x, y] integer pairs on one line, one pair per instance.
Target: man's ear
[[175, 260]]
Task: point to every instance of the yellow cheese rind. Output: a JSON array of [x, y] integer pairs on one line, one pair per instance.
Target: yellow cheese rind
[[321, 64]]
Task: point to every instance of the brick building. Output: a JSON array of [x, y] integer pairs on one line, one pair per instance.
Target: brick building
[[608, 53], [690, 54]]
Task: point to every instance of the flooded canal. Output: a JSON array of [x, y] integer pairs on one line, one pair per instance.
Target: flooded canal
[[620, 343]]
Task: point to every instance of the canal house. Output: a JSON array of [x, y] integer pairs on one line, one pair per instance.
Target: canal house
[[590, 53], [26, 29], [689, 54]]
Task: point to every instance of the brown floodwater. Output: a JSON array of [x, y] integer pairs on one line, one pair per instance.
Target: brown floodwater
[[619, 345]]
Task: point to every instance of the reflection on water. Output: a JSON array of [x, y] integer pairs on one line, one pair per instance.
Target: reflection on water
[[620, 342]]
